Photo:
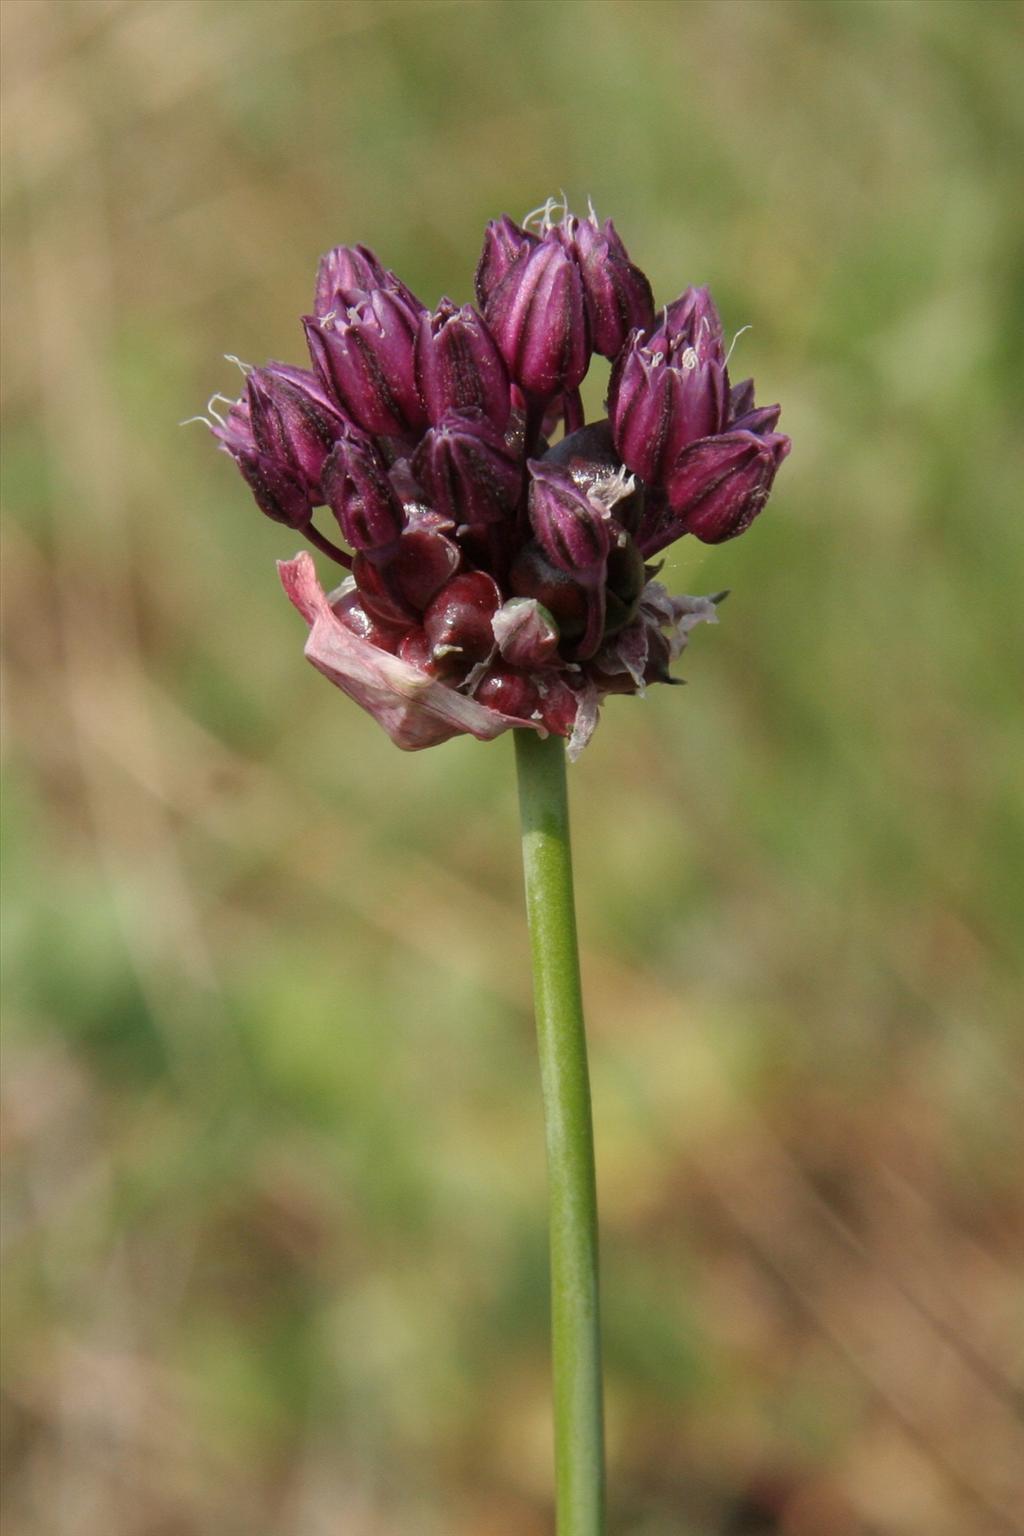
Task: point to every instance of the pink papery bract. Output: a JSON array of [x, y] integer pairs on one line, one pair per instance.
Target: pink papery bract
[[415, 710]]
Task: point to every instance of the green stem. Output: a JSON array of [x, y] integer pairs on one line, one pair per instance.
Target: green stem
[[575, 1316]]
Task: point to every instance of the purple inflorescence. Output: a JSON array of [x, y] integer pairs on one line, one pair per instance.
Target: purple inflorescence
[[494, 579]]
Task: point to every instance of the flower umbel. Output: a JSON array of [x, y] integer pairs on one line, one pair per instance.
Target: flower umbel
[[497, 579]]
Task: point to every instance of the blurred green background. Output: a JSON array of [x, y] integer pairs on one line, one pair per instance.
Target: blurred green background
[[275, 1210]]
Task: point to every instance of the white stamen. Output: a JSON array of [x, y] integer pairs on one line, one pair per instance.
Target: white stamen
[[190, 419], [689, 359], [605, 494], [245, 368], [741, 332]]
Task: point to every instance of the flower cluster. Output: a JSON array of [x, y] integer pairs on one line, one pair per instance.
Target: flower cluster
[[495, 579]]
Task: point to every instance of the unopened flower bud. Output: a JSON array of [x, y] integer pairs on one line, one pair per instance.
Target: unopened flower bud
[[536, 314], [277, 490], [291, 419], [504, 241], [718, 486], [616, 293], [357, 489], [669, 387], [574, 533], [526, 633], [458, 364], [365, 356], [348, 273], [466, 471]]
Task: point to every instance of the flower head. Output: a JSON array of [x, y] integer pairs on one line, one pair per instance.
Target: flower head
[[497, 578]]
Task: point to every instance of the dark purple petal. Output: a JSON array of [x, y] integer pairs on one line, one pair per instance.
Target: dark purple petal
[[761, 421]]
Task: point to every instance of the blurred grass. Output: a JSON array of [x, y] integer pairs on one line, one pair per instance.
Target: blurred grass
[[275, 1206]]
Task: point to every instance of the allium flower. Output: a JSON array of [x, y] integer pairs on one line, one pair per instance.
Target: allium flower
[[496, 578]]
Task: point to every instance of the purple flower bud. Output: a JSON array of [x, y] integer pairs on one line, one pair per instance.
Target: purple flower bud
[[526, 633], [357, 489], [573, 531], [459, 618], [347, 273], [504, 241], [669, 388], [536, 314], [466, 471], [617, 294], [718, 486], [292, 420], [277, 490], [458, 365], [344, 270], [365, 358]]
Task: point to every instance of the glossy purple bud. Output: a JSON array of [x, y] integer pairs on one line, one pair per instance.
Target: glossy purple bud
[[466, 471], [526, 633], [536, 315], [458, 619], [573, 531], [401, 584], [508, 692], [357, 489], [365, 358], [458, 365], [718, 486], [291, 419], [277, 489], [357, 618], [504, 242], [617, 295]]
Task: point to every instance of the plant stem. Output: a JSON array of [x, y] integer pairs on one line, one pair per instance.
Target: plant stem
[[575, 1315]]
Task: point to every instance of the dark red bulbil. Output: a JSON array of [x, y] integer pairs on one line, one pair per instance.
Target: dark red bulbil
[[497, 579]]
